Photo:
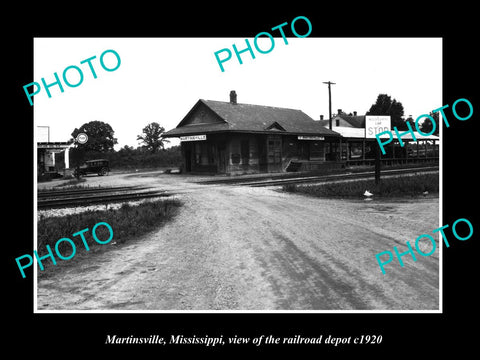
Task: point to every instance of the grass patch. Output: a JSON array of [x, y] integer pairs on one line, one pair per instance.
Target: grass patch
[[72, 182], [403, 186], [127, 222]]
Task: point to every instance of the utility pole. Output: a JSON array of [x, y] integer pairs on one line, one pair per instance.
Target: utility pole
[[329, 103]]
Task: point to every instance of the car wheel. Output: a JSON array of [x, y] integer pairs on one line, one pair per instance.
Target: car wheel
[[103, 172]]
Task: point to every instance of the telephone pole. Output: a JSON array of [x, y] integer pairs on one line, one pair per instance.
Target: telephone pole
[[329, 103]]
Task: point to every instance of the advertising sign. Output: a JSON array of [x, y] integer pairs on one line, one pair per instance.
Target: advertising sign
[[375, 124]]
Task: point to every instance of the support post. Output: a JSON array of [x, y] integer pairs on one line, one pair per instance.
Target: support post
[[67, 158], [377, 165]]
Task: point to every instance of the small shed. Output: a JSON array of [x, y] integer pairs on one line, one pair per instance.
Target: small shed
[[46, 156]]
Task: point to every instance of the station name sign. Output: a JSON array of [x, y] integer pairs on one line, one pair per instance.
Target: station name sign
[[193, 138], [376, 124], [301, 137]]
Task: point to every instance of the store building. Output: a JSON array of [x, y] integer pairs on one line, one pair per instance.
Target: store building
[[357, 149]]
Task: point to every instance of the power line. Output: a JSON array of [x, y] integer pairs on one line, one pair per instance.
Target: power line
[[329, 103]]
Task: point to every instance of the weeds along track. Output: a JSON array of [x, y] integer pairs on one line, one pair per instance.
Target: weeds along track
[[83, 197], [81, 191]]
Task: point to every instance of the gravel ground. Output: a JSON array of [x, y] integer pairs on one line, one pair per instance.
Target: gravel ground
[[242, 248]]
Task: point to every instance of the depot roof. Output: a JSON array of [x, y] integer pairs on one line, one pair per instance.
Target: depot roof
[[236, 117]]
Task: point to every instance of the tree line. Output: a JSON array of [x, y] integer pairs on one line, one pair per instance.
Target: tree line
[[385, 105], [101, 140], [152, 152]]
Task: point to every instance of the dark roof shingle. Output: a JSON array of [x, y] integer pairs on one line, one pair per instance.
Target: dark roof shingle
[[254, 118], [356, 121]]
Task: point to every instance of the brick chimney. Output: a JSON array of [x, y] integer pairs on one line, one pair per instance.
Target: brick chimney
[[321, 117], [233, 97], [354, 113]]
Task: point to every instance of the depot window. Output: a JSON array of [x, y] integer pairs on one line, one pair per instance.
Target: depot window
[[204, 154]]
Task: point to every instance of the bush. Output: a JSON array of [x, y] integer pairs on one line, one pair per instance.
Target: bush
[[130, 158], [44, 178], [290, 188], [127, 222]]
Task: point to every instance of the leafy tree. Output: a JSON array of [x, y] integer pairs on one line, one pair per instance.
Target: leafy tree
[[411, 121], [127, 150], [426, 126], [100, 137], [386, 106], [152, 137]]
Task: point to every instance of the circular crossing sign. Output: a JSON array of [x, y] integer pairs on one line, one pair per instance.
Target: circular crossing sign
[[82, 138]]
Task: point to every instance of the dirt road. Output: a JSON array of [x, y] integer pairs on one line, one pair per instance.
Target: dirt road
[[241, 248]]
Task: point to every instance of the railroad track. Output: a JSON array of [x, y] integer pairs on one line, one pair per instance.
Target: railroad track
[[85, 191], [84, 197], [334, 177]]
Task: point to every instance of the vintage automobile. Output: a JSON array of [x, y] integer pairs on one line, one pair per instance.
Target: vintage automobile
[[97, 166]]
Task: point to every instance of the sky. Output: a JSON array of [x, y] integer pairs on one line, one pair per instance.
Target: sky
[[160, 79]]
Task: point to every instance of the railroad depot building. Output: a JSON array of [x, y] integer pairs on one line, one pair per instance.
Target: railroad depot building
[[234, 138]]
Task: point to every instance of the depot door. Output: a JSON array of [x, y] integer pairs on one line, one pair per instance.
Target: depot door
[[188, 160], [274, 153], [222, 158], [304, 150]]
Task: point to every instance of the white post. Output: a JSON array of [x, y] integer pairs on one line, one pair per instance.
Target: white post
[[67, 158]]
